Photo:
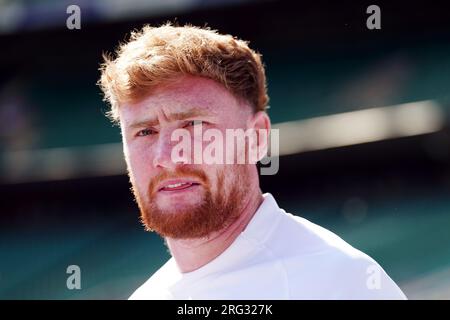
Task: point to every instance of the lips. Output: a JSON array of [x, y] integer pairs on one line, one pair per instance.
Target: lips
[[171, 186]]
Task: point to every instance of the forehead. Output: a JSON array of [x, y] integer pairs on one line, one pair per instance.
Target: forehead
[[183, 95]]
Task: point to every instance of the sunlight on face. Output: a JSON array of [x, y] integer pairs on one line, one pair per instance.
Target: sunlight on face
[[177, 199]]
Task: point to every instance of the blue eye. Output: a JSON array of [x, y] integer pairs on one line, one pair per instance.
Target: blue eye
[[145, 132]]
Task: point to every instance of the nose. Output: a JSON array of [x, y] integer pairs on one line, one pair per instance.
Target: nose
[[163, 152]]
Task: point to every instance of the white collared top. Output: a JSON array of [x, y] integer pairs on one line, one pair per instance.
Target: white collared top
[[277, 256]]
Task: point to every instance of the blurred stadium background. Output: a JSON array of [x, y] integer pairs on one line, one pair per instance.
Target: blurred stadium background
[[365, 139]]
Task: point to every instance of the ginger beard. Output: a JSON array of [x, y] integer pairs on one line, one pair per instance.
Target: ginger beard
[[215, 211]]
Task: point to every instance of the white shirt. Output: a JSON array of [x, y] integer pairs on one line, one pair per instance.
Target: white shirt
[[277, 256]]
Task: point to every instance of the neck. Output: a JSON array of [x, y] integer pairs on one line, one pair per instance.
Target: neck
[[191, 254]]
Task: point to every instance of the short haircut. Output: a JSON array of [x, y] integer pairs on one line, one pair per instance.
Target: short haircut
[[155, 56]]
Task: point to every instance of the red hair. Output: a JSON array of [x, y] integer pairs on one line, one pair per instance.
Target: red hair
[[157, 55]]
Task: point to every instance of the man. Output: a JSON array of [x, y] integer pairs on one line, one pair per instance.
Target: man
[[227, 239]]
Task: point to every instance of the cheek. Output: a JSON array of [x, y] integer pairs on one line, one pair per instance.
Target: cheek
[[234, 176], [222, 177], [139, 162]]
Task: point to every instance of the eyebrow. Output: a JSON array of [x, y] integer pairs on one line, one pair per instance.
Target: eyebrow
[[170, 117]]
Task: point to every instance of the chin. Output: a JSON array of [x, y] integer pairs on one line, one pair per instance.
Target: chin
[[175, 206], [179, 202]]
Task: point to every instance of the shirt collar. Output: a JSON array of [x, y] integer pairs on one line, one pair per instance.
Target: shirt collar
[[264, 220], [258, 229]]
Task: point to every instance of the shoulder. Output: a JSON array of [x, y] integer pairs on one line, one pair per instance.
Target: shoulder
[[329, 267], [156, 287]]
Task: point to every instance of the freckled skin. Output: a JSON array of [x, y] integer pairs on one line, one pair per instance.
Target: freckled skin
[[148, 157]]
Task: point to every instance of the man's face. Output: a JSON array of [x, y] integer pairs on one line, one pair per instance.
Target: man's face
[[176, 199]]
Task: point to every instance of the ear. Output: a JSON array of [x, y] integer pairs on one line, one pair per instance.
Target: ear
[[260, 122]]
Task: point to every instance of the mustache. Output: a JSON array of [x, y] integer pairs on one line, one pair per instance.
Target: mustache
[[181, 172]]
